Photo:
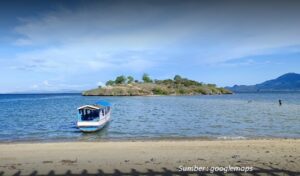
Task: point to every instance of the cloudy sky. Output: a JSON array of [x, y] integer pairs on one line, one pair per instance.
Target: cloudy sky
[[77, 45]]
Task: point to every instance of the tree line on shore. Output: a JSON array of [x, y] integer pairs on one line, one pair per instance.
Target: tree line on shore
[[146, 79], [128, 80]]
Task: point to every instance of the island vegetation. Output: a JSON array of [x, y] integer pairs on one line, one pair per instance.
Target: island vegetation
[[128, 86]]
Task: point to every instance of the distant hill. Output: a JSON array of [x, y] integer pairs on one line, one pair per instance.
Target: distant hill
[[286, 82], [126, 86]]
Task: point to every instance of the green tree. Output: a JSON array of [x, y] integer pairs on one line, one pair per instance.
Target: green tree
[[120, 80], [177, 78], [110, 83], [130, 79], [146, 78]]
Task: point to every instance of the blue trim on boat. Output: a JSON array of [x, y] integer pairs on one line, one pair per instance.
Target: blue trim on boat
[[90, 128]]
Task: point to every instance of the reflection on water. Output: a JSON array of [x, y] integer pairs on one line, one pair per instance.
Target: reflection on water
[[53, 117]]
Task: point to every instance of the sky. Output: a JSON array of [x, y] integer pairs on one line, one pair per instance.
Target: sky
[[78, 45]]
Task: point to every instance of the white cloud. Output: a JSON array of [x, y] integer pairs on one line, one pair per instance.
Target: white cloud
[[143, 36], [35, 86], [46, 83]]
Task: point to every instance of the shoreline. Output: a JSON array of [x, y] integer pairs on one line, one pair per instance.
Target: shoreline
[[171, 95], [151, 139], [272, 154]]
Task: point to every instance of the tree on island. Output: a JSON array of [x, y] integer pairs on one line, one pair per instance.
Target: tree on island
[[146, 78], [121, 79], [177, 78], [130, 79], [110, 83]]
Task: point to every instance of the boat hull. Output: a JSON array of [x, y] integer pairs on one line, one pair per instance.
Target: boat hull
[[89, 129], [93, 126]]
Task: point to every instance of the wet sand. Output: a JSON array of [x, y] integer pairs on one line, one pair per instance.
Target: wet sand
[[275, 155]]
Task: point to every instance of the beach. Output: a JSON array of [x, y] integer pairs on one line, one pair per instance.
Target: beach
[[162, 156]]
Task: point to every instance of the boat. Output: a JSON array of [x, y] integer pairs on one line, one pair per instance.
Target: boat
[[93, 117]]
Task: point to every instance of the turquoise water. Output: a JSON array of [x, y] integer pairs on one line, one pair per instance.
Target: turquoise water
[[52, 117]]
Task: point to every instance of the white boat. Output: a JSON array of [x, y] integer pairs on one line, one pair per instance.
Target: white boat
[[93, 117]]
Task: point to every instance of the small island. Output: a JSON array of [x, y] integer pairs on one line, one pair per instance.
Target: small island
[[128, 86]]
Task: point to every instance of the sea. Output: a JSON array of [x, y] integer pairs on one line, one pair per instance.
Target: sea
[[52, 117]]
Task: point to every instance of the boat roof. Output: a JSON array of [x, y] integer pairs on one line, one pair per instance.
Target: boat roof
[[103, 103], [92, 107], [97, 105]]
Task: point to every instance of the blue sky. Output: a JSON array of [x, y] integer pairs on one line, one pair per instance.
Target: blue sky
[[77, 45]]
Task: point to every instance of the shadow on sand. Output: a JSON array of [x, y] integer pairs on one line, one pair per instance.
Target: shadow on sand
[[165, 171]]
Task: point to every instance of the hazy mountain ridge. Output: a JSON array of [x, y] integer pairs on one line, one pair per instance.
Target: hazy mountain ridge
[[286, 82]]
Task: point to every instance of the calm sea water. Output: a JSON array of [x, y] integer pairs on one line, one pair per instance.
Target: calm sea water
[[52, 117]]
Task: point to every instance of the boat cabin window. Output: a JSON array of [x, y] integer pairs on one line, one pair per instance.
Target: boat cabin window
[[104, 111], [88, 114]]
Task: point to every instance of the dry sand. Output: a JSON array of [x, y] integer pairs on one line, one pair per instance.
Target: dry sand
[[279, 156]]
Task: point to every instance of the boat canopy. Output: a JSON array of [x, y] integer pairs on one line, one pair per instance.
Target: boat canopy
[[90, 107], [103, 103], [97, 105]]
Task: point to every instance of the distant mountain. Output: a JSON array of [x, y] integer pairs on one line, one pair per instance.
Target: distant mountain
[[286, 82]]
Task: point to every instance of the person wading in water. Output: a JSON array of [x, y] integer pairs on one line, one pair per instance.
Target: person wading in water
[[280, 102]]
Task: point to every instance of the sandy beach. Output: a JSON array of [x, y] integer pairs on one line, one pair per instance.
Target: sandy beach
[[281, 156]]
